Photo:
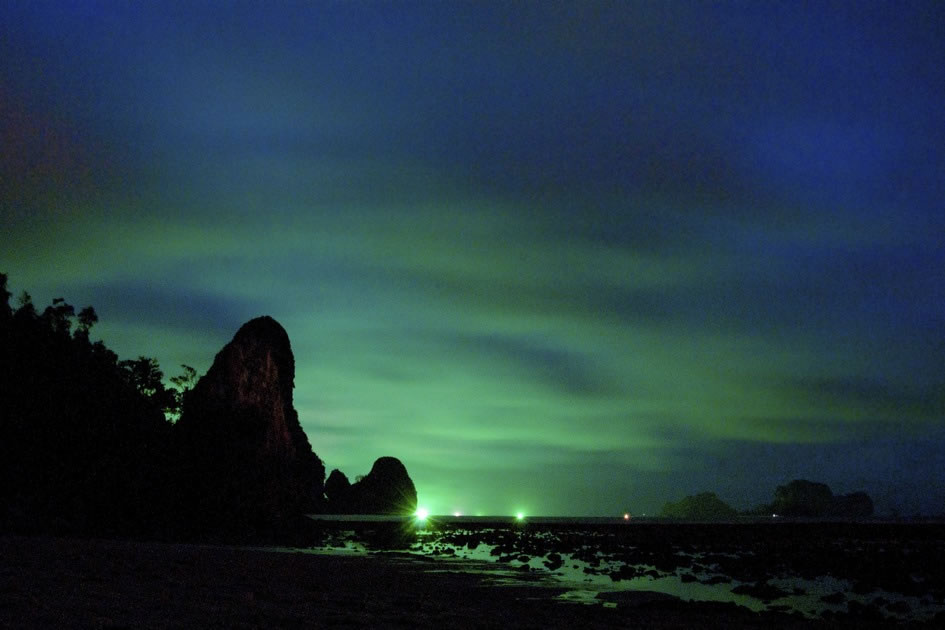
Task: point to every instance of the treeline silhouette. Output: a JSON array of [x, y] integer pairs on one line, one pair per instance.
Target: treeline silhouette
[[86, 439]]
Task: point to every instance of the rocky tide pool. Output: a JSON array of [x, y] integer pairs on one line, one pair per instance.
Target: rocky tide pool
[[869, 571]]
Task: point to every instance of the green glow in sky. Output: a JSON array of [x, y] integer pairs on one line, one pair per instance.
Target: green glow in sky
[[563, 264]]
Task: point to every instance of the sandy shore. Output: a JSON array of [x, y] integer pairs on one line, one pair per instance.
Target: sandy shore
[[67, 583]]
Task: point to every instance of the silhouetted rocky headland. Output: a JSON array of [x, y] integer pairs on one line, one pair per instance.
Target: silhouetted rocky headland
[[245, 459], [88, 444]]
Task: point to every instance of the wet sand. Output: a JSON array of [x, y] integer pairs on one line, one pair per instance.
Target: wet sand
[[68, 583]]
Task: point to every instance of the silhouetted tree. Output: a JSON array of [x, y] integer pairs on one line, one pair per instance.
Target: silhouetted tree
[[84, 446], [144, 375], [87, 319], [26, 309], [186, 380], [59, 316], [5, 312], [183, 383]]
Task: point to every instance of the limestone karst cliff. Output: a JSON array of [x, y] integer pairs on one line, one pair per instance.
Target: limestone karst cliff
[[246, 459]]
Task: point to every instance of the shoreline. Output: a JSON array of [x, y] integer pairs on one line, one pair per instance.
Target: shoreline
[[77, 583]]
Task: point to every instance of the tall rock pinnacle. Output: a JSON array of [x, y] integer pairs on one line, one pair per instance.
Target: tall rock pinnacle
[[246, 458]]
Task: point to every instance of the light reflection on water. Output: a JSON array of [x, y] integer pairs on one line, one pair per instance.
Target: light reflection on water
[[592, 582]]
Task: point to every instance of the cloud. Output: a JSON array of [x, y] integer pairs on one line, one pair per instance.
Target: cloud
[[570, 372], [169, 305], [624, 239], [875, 400]]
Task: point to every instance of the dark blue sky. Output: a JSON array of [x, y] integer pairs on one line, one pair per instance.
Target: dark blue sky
[[557, 257]]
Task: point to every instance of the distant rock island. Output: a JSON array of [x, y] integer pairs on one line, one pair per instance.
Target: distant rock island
[[387, 489], [799, 498], [705, 506], [812, 499]]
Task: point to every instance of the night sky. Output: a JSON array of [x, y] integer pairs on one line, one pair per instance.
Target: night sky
[[563, 258]]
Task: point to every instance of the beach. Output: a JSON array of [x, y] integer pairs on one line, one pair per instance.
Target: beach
[[74, 583]]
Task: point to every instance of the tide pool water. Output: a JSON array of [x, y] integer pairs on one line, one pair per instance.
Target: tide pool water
[[818, 570]]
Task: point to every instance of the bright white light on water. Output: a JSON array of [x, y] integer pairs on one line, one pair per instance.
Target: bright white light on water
[[519, 516], [422, 514], [457, 514], [626, 517]]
